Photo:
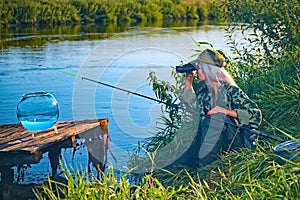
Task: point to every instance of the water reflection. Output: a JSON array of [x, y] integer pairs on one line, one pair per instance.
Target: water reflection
[[34, 37], [37, 37]]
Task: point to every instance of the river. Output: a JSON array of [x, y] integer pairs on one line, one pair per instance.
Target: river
[[121, 58]]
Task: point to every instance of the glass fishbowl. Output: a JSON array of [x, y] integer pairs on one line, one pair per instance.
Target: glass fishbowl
[[38, 111]]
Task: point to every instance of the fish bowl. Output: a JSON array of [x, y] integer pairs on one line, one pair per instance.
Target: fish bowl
[[38, 111]]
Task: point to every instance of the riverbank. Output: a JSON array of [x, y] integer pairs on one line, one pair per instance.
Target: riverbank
[[67, 12], [236, 176]]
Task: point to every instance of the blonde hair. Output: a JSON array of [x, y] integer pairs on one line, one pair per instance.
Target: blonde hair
[[216, 74]]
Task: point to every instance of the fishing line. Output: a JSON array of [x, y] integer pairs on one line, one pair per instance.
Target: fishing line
[[176, 106]]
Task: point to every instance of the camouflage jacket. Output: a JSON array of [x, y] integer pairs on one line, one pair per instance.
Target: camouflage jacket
[[229, 97]]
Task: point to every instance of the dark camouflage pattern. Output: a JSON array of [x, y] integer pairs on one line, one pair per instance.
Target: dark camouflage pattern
[[230, 97]]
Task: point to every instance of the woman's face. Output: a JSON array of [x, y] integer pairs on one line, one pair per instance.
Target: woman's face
[[200, 74]]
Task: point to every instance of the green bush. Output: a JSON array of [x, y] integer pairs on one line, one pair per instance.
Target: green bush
[[61, 12], [266, 57], [6, 13]]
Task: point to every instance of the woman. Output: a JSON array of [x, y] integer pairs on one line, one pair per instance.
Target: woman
[[221, 105]]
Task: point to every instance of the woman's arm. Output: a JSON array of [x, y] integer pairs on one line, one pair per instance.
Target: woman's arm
[[248, 112], [218, 109], [188, 97], [242, 108]]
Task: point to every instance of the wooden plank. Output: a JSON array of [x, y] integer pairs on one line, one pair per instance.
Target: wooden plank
[[43, 139], [11, 132], [7, 132], [17, 146], [64, 130]]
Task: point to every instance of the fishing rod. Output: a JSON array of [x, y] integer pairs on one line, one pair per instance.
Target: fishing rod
[[176, 106]]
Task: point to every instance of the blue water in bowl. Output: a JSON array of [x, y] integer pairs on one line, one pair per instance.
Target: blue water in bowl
[[38, 111], [38, 124]]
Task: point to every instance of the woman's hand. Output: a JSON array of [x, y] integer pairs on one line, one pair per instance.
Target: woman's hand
[[218, 109], [189, 80]]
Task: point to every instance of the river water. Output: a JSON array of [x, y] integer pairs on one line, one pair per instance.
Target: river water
[[121, 58]]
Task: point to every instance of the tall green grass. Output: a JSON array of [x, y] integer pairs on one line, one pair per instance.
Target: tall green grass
[[247, 174]]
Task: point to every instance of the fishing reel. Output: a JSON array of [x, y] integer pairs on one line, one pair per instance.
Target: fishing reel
[[288, 150], [185, 68]]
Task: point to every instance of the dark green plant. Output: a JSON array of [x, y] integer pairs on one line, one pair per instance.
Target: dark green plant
[[171, 117], [6, 13], [268, 36], [266, 52], [284, 111]]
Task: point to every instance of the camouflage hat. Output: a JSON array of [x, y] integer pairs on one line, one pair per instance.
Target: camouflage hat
[[210, 57]]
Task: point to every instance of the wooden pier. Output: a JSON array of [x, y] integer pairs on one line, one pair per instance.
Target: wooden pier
[[19, 146]]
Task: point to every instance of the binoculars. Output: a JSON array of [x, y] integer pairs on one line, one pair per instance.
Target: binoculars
[[185, 68]]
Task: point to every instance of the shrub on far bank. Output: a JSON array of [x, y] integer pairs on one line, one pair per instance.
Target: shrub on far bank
[[68, 12]]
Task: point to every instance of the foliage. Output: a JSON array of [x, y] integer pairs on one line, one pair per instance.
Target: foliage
[[275, 23], [269, 36], [171, 116], [247, 174], [47, 12], [109, 187], [266, 56], [255, 174], [284, 112]]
